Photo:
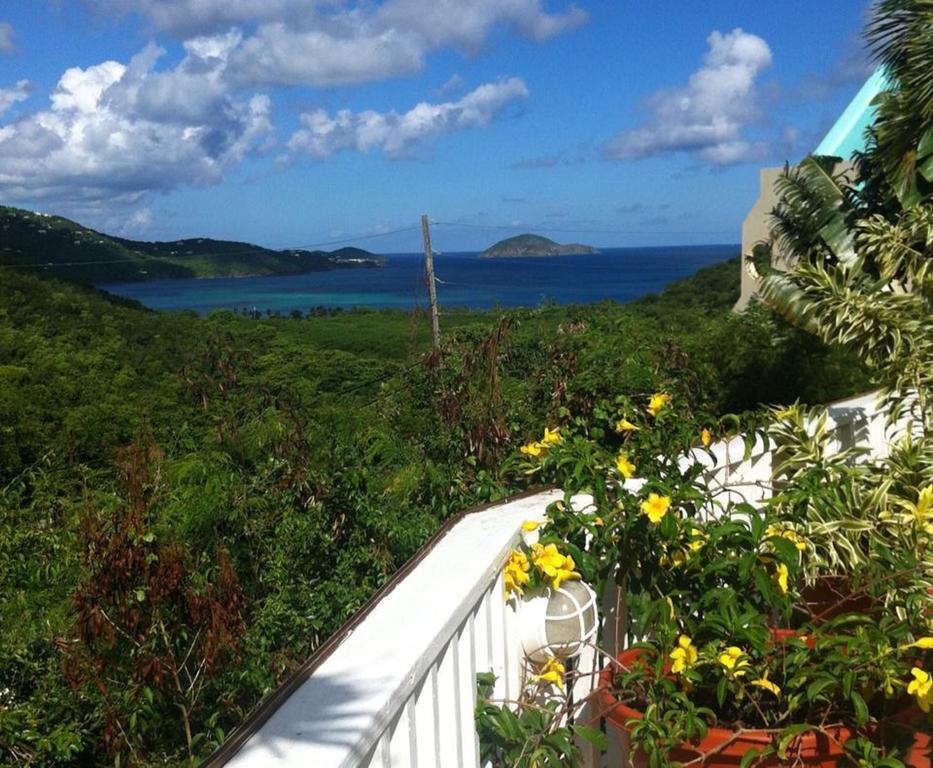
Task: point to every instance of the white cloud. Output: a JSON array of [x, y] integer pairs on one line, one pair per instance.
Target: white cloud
[[707, 117], [281, 55], [10, 96], [453, 84], [191, 17], [401, 135], [329, 43], [6, 38], [115, 132], [134, 223]]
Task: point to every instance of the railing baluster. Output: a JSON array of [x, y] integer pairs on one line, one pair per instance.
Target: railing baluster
[[466, 695], [449, 722], [400, 741], [500, 645], [425, 744]]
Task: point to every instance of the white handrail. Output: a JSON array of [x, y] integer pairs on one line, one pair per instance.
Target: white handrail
[[401, 689]]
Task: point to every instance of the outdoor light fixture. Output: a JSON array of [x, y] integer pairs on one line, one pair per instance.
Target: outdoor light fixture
[[558, 622]]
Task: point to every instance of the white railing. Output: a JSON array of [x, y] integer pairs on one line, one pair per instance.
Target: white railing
[[399, 690], [853, 422]]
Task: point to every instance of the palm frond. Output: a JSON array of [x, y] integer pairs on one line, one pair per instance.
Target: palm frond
[[809, 222]]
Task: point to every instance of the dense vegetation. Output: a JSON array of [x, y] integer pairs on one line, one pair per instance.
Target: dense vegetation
[[189, 506], [62, 247]]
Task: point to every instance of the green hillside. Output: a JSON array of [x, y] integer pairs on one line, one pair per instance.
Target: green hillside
[[55, 245], [279, 470]]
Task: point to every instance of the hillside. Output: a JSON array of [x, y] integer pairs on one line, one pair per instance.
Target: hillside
[[522, 246], [289, 467], [68, 249]]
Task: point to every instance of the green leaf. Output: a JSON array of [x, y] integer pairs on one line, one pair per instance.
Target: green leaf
[[861, 708], [751, 755], [785, 549], [848, 682], [817, 686], [592, 736], [788, 735], [721, 690], [925, 147], [925, 167]]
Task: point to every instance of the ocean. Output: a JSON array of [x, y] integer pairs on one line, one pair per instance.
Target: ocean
[[464, 280]]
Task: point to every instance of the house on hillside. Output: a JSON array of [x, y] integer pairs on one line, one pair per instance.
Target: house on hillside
[[846, 136]]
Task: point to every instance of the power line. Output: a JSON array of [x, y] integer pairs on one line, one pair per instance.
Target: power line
[[363, 385], [356, 238]]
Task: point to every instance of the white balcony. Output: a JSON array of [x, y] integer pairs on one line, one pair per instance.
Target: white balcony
[[396, 688]]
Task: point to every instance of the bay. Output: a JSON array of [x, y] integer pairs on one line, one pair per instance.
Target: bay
[[464, 280]]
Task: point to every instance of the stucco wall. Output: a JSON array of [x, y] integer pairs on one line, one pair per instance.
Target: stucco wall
[[755, 230]]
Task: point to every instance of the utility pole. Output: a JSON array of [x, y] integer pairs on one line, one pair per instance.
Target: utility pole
[[432, 292]]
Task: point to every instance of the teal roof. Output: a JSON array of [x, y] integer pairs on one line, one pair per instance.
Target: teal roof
[[848, 133]]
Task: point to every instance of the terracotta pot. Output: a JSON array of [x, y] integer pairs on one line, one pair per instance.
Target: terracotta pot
[[831, 596], [723, 748]]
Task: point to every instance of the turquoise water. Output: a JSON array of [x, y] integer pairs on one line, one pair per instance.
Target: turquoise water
[[464, 280]]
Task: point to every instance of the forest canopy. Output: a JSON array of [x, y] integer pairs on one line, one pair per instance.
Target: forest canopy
[[189, 506]]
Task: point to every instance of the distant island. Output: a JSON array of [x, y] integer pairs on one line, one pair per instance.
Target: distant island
[[56, 245], [522, 246]]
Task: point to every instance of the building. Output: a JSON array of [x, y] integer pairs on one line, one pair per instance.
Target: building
[[846, 136]]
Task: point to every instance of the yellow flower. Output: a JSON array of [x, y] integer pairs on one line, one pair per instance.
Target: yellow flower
[[925, 643], [625, 467], [706, 437], [533, 449], [552, 672], [553, 564], [530, 533], [787, 533], [658, 401], [624, 425], [598, 521], [734, 661], [684, 655], [670, 605], [921, 687], [764, 682], [698, 539], [655, 507], [515, 573], [780, 578], [551, 437]]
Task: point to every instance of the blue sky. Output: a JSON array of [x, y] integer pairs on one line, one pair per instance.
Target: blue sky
[[296, 122]]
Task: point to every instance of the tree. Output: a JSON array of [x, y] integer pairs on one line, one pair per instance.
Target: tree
[[900, 35], [862, 276]]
